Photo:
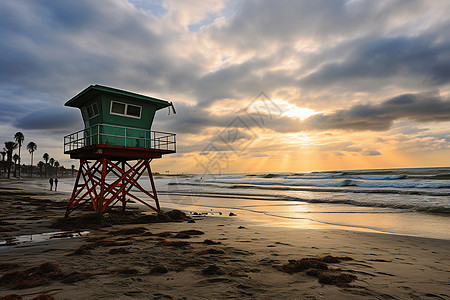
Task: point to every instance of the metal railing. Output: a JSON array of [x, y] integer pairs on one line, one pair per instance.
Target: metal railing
[[105, 134]]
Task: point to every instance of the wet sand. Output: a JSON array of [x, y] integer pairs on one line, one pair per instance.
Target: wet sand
[[213, 258]]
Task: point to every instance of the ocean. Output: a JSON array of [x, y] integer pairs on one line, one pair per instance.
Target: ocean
[[414, 201]]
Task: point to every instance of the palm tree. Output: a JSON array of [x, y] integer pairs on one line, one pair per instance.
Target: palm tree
[[51, 161], [19, 139], [15, 158], [31, 147], [46, 157], [40, 165], [10, 147], [56, 166]]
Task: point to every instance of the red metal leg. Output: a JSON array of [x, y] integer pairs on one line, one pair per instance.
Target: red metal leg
[[107, 183]]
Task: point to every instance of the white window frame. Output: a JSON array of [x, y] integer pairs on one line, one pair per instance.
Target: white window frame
[[126, 109], [93, 111]]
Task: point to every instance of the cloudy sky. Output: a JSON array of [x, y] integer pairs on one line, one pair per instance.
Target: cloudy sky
[[259, 86]]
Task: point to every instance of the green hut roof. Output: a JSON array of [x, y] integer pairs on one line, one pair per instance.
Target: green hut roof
[[94, 90]]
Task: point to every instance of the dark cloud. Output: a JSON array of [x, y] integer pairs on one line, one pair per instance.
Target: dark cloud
[[244, 80], [260, 23], [426, 107], [62, 46], [189, 119], [376, 62], [340, 146], [417, 107], [371, 153], [55, 119], [197, 119]]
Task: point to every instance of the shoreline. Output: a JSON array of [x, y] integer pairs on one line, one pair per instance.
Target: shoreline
[[247, 257], [300, 214]]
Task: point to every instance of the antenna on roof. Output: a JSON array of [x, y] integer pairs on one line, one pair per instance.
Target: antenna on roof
[[173, 109]]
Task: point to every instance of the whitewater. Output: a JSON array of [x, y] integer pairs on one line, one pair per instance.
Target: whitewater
[[398, 201]]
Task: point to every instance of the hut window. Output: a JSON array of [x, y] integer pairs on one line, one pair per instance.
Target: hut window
[[92, 110], [118, 108], [133, 110], [128, 110]]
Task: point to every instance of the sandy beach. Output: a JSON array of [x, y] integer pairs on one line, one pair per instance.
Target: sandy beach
[[223, 257]]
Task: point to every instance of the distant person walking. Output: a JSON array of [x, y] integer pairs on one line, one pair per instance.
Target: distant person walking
[[51, 183], [56, 183]]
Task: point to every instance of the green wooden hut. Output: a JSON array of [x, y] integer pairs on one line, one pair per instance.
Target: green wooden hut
[[116, 117], [117, 131]]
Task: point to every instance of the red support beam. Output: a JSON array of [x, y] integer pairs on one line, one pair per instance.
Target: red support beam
[[105, 183]]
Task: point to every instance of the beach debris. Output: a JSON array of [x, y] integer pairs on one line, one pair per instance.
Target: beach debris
[[312, 263], [182, 236], [106, 243], [159, 269], [330, 259], [341, 280], [163, 217], [211, 251], [314, 272], [37, 276], [8, 266], [176, 244], [186, 234], [231, 214], [113, 217], [280, 243], [147, 219], [317, 267], [191, 221], [87, 248], [86, 221], [119, 251], [334, 259], [177, 215], [241, 227], [380, 260], [303, 264], [164, 234], [212, 270], [211, 242], [192, 232]]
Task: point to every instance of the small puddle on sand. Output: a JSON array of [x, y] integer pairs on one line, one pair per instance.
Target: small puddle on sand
[[41, 237]]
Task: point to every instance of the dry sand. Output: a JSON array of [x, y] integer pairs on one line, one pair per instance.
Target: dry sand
[[233, 258]]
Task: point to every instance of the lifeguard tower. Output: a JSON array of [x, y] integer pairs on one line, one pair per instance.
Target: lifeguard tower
[[115, 148]]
